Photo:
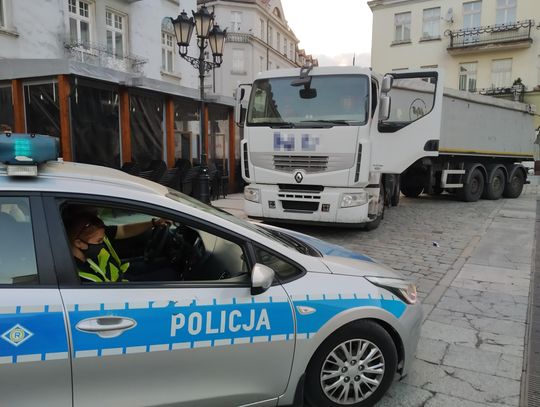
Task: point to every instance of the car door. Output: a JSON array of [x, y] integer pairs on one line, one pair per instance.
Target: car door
[[34, 358], [193, 343]]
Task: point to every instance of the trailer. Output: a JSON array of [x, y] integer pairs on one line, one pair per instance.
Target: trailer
[[336, 145]]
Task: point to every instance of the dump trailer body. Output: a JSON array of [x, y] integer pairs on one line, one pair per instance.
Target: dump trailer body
[[485, 126]]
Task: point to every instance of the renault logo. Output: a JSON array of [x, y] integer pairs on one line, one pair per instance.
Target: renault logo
[[298, 177]]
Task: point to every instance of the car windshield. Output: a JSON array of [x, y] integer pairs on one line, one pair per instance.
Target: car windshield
[[328, 100], [283, 239]]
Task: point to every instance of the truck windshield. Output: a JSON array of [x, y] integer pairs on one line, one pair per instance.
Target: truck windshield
[[329, 100]]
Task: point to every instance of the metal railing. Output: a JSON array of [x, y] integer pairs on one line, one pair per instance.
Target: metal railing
[[491, 34], [99, 55], [238, 37]]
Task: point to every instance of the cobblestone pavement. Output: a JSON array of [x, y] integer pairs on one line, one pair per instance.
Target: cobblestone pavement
[[472, 265]]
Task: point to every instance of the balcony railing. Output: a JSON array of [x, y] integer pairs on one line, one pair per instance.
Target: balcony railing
[[238, 37], [518, 33], [99, 55]]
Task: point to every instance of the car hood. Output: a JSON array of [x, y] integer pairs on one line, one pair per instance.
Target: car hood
[[340, 260]]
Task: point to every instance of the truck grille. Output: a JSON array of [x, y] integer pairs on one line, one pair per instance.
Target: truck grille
[[308, 163], [300, 206]]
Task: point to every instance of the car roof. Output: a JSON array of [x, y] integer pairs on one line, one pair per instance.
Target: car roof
[[60, 176]]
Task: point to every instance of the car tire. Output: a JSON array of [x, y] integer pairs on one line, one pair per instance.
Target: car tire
[[336, 387], [514, 187]]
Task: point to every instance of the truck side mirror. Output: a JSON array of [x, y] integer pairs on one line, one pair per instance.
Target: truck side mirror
[[239, 110], [262, 278], [386, 84], [384, 108]]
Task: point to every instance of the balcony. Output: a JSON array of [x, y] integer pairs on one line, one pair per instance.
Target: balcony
[[238, 37], [98, 55], [490, 38]]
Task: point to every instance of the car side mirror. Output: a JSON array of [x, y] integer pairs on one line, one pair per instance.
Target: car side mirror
[[384, 108], [262, 278]]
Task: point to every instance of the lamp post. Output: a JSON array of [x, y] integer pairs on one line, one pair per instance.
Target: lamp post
[[207, 33]]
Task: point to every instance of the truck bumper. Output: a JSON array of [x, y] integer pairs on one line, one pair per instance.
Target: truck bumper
[[305, 207]]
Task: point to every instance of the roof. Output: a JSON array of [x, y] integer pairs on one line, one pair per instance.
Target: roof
[[78, 178]]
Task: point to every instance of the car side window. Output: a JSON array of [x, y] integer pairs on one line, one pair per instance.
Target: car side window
[[18, 264], [283, 269], [118, 245]]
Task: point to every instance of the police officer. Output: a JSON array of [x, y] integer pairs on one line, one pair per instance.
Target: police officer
[[95, 257]]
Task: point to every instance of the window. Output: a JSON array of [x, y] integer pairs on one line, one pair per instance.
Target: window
[[285, 46], [238, 61], [236, 21], [472, 14], [278, 41], [80, 22], [173, 251], [116, 28], [283, 269], [402, 23], [17, 254], [467, 76], [501, 72], [291, 51], [431, 23], [506, 12], [261, 63], [262, 28], [167, 52], [2, 14], [270, 35]]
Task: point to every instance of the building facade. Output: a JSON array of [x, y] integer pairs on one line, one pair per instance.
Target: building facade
[[258, 39], [105, 77], [484, 46]]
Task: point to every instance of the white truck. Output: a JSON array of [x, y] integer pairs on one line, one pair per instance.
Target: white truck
[[335, 145]]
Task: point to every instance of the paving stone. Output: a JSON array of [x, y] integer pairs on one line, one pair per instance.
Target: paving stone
[[404, 395], [442, 400], [472, 386], [488, 362]]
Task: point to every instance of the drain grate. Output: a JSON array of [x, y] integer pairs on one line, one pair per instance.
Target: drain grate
[[532, 371]]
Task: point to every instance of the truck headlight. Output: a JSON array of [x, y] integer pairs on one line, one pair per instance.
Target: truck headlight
[[354, 199], [252, 194], [404, 289]]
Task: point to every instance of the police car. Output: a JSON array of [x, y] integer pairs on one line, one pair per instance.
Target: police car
[[252, 315]]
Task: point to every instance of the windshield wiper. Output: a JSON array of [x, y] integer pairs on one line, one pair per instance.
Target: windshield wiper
[[274, 125], [336, 122]]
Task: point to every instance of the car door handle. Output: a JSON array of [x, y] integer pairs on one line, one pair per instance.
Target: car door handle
[[106, 327]]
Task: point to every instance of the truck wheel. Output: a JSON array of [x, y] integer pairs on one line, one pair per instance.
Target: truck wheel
[[436, 191], [493, 190], [353, 367], [515, 185], [472, 191], [411, 191], [374, 224]]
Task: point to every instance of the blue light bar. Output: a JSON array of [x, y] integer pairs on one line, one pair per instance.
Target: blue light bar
[[27, 149]]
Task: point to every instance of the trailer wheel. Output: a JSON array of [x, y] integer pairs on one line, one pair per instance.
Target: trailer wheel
[[472, 191], [493, 190], [411, 191], [515, 185]]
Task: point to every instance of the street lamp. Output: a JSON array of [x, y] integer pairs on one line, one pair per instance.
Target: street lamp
[[207, 33]]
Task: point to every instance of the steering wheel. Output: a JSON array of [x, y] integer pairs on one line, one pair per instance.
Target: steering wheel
[[157, 242]]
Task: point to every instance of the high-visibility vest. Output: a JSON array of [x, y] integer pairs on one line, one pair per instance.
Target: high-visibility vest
[[109, 267]]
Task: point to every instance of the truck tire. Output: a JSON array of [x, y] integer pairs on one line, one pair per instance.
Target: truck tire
[[493, 190], [515, 185], [472, 191], [381, 203], [369, 373], [411, 191]]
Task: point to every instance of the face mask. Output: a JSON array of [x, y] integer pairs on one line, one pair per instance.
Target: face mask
[[93, 249]]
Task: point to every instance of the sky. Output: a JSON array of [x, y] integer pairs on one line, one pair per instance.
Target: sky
[[332, 34]]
